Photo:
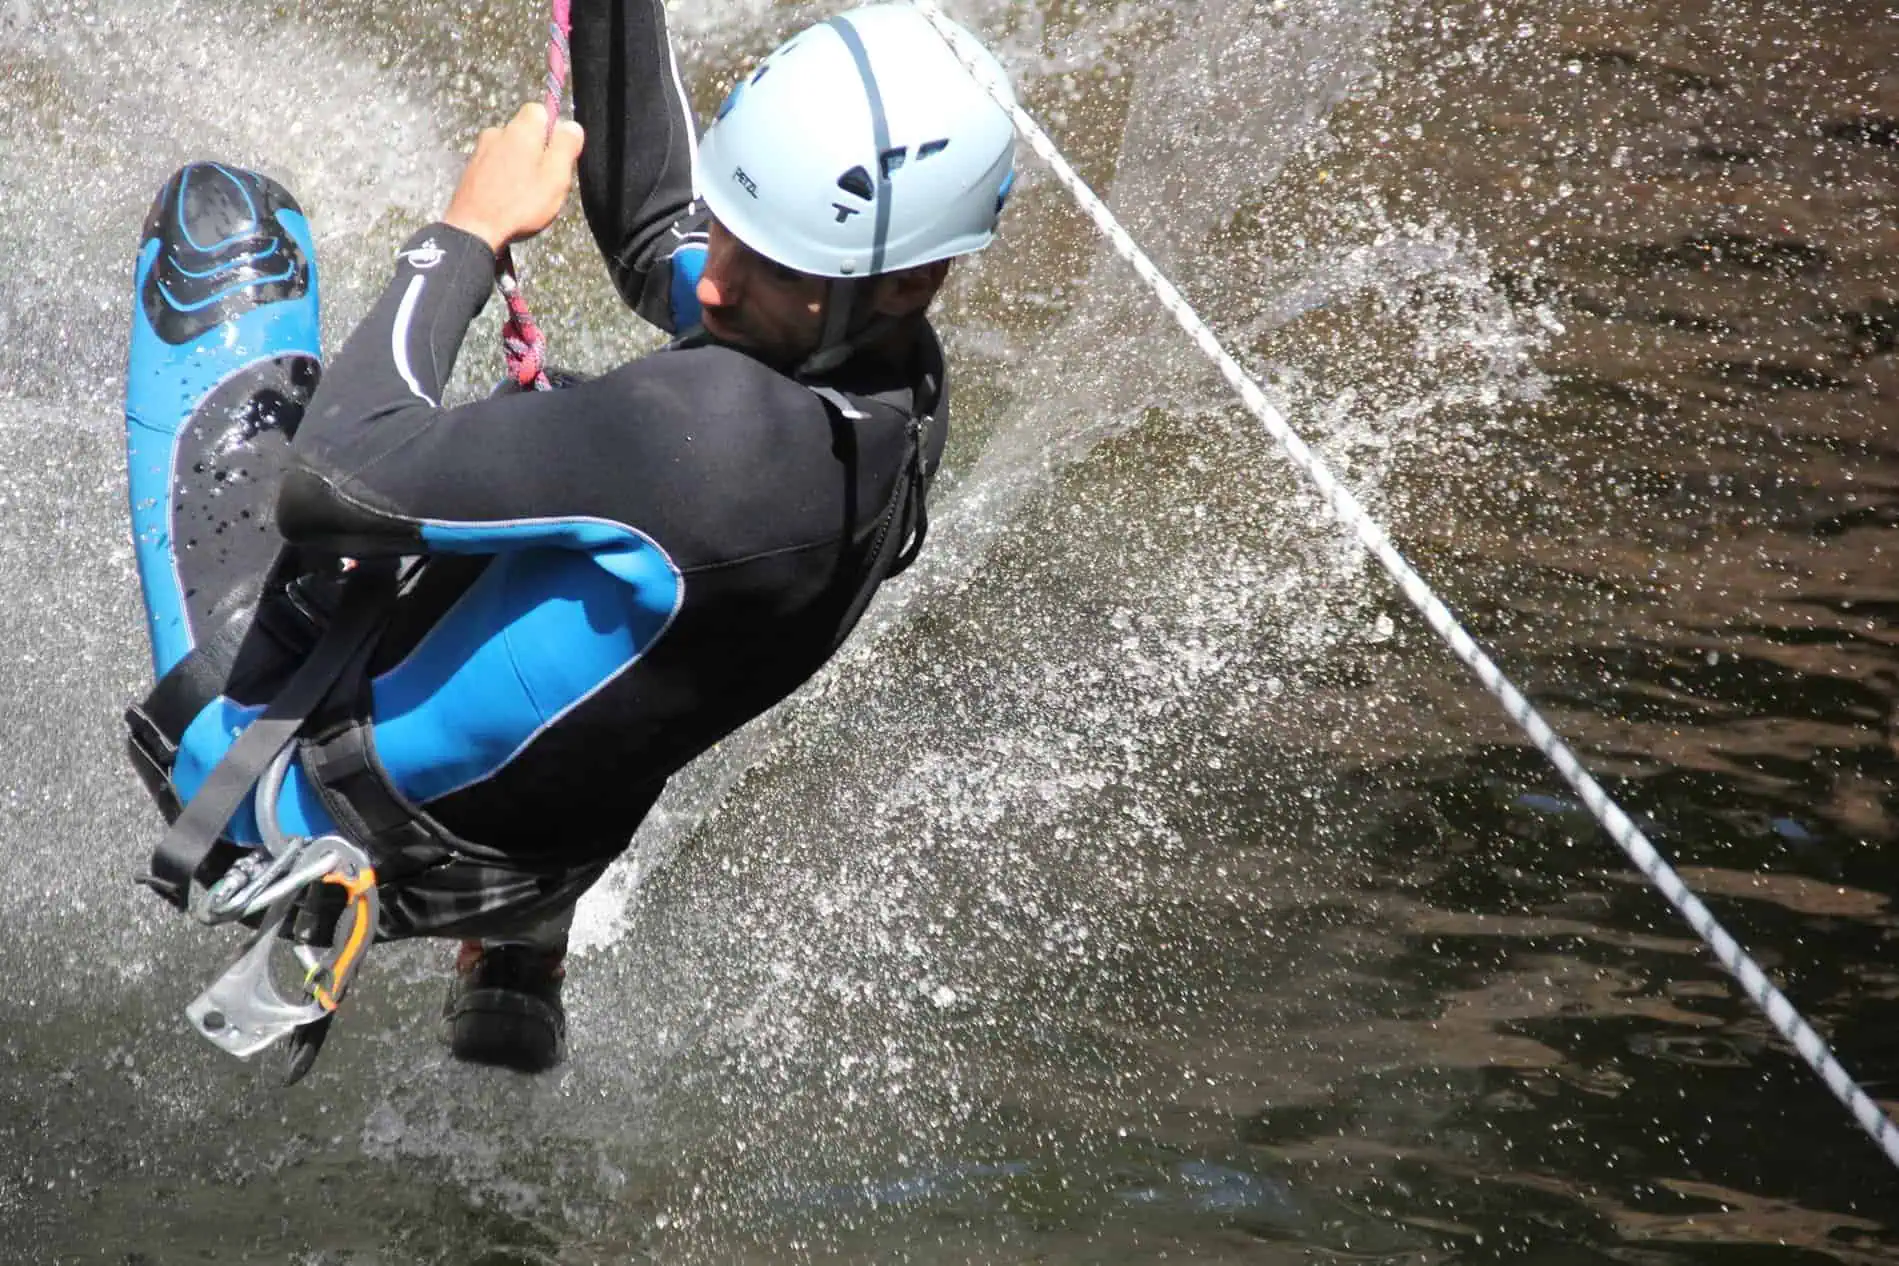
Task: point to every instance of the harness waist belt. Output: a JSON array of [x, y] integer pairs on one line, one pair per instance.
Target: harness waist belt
[[197, 827]]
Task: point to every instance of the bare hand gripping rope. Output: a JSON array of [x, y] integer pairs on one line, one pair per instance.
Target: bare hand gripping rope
[[1780, 1012]]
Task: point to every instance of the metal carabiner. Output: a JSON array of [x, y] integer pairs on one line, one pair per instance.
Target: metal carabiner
[[262, 875], [244, 1010]]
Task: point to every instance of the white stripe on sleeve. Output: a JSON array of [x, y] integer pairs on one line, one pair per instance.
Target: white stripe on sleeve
[[399, 338]]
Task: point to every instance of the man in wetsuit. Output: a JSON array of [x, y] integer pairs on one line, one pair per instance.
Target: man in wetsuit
[[618, 573]]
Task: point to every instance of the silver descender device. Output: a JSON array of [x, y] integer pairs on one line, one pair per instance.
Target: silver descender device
[[282, 985]]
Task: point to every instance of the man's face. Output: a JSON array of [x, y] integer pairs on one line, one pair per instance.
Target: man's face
[[751, 302]]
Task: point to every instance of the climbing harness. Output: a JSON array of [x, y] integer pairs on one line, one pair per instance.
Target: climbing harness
[[523, 345], [297, 892], [246, 1009], [1774, 1004], [190, 848]]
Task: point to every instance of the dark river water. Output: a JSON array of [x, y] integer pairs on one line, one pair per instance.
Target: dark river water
[[1146, 883]]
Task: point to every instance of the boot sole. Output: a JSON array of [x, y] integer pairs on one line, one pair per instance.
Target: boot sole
[[502, 1028]]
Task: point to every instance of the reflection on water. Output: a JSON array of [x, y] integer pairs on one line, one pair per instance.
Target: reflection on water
[[1150, 883]]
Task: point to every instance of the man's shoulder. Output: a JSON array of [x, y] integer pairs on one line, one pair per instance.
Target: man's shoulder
[[716, 417], [711, 374]]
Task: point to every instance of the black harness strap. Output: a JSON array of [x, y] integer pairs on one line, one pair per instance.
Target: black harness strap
[[904, 544], [341, 764], [194, 834]]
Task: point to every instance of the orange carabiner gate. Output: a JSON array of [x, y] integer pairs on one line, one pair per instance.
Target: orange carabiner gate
[[356, 891]]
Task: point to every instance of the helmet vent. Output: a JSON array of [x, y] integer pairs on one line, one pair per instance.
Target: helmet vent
[[760, 74], [893, 159], [857, 181], [929, 148]]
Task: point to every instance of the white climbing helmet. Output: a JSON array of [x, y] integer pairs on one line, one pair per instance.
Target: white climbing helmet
[[860, 146]]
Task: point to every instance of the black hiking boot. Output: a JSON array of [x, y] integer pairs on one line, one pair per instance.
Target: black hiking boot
[[504, 1009]]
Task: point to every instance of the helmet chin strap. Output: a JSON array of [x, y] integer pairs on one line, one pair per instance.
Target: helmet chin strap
[[846, 329]]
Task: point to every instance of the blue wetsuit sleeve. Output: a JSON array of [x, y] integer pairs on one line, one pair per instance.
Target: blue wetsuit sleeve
[[636, 170]]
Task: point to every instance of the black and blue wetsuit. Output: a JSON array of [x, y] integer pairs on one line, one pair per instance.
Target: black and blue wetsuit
[[615, 574]]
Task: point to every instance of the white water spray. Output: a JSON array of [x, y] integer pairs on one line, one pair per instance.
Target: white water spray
[[1350, 514]]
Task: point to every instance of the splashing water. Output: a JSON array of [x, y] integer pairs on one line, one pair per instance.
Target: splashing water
[[1035, 923]]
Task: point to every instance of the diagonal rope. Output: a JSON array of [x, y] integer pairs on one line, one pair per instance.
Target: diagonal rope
[[1774, 1004], [523, 346]]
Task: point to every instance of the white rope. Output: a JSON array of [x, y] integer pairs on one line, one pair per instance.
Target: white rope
[[1753, 980]]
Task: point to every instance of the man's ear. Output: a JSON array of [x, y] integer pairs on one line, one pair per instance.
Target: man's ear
[[910, 291]]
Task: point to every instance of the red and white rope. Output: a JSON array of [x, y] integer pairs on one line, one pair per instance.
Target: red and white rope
[[523, 346]]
